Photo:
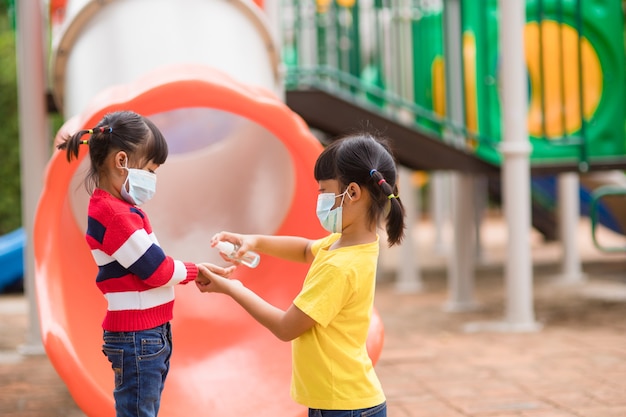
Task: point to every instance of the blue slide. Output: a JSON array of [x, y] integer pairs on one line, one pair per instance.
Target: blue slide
[[12, 259], [612, 216]]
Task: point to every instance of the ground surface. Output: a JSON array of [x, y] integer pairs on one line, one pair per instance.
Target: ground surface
[[575, 366]]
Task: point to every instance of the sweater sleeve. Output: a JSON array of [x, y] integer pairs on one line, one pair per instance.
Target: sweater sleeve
[[192, 272], [134, 249]]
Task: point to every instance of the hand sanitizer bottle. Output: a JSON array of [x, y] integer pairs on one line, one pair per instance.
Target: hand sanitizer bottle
[[249, 259]]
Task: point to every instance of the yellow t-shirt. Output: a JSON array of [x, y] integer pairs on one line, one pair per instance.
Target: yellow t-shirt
[[331, 367]]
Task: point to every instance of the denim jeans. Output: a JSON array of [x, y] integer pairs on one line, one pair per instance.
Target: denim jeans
[[140, 362], [377, 411]]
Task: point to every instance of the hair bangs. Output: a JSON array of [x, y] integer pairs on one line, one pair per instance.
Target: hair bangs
[[326, 166], [156, 145]]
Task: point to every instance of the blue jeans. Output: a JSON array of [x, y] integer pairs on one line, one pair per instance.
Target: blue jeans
[[377, 411], [140, 362]]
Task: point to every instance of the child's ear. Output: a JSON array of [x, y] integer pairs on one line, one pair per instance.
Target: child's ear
[[121, 160], [354, 191]]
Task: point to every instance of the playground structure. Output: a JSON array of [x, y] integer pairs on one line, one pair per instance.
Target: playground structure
[[574, 54], [227, 122]]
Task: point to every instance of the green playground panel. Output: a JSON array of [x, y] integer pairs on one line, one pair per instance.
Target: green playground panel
[[602, 27]]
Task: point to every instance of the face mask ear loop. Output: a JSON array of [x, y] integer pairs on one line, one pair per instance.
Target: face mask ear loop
[[126, 183], [348, 194], [343, 196]]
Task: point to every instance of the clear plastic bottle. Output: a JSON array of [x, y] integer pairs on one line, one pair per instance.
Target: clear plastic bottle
[[250, 259]]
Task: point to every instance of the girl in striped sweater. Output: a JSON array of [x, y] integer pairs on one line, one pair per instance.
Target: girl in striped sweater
[[134, 274]]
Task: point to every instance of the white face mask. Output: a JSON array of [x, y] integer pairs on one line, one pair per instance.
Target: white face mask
[[330, 219], [141, 186]]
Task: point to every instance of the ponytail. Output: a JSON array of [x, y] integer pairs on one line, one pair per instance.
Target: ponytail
[[394, 221], [72, 144]]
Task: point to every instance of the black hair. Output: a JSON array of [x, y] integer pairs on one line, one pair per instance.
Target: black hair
[[368, 161], [124, 131]]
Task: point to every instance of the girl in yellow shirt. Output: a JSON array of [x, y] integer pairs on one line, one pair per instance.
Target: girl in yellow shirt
[[329, 319]]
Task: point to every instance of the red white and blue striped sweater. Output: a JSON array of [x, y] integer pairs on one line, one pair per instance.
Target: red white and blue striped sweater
[[134, 274]]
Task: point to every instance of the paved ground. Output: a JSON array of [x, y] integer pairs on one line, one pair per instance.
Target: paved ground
[[575, 366]]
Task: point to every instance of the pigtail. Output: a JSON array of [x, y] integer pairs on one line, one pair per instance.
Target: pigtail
[[71, 145], [394, 220]]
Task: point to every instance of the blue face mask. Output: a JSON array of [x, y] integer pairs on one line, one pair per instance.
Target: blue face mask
[[141, 186], [330, 219]]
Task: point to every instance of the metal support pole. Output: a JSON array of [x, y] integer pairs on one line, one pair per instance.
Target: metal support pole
[[461, 257], [461, 261], [480, 206], [408, 277], [516, 168], [34, 143], [439, 208], [307, 44], [515, 149], [273, 12], [569, 209], [396, 76]]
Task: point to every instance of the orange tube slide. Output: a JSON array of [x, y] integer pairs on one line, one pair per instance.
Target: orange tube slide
[[239, 160]]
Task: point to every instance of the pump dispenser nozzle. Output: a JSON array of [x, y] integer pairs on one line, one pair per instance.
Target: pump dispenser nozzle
[[250, 259]]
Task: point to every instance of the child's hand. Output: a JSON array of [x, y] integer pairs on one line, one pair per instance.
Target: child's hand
[[219, 270], [207, 271], [244, 243], [210, 281]]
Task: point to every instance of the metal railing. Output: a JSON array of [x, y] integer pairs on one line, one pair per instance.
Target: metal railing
[[390, 54]]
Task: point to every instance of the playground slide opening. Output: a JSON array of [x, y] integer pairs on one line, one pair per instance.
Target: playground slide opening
[[239, 160]]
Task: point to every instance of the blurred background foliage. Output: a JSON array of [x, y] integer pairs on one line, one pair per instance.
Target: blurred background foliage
[[10, 196], [10, 185]]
